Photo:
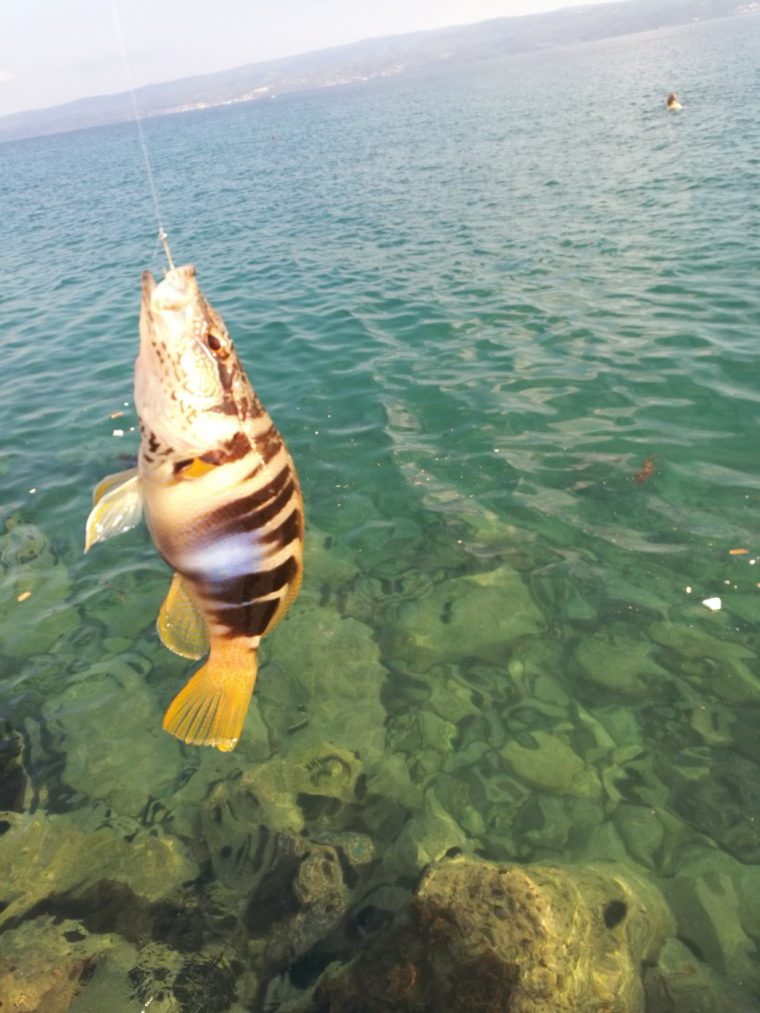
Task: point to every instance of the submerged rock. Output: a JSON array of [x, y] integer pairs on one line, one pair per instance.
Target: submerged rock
[[297, 903], [330, 567], [722, 799], [150, 976], [22, 544], [276, 797], [528, 939], [127, 603], [323, 678], [725, 668], [681, 983], [479, 616], [34, 586], [83, 862], [430, 833], [107, 723], [642, 832], [15, 789], [707, 902], [616, 663], [45, 963], [547, 764]]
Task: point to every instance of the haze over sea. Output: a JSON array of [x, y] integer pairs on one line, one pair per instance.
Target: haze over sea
[[475, 304]]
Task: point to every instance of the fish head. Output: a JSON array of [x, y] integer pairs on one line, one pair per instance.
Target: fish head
[[190, 389]]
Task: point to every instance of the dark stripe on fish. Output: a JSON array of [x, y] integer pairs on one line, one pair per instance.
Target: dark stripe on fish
[[247, 588], [250, 620], [254, 471], [237, 447], [288, 531], [247, 505], [269, 443], [258, 518]]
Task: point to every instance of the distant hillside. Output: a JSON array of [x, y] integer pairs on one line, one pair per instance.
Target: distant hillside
[[372, 58]]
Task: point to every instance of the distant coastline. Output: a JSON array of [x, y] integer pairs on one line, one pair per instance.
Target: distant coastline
[[370, 59]]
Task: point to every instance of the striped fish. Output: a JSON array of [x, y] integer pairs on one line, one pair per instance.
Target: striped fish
[[221, 499]]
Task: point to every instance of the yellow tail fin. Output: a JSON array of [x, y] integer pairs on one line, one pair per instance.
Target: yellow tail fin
[[211, 709]]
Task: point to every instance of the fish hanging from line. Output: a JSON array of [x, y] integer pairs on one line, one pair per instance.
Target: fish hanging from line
[[221, 499]]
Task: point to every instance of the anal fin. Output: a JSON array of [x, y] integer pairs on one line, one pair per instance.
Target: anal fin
[[210, 710], [180, 624]]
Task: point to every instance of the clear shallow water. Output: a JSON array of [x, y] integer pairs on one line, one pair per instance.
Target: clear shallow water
[[474, 304]]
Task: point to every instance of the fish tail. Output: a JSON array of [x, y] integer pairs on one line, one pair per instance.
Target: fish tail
[[210, 710]]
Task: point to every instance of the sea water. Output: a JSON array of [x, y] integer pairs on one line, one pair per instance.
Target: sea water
[[506, 317]]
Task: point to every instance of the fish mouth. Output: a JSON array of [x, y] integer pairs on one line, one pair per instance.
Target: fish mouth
[[176, 290], [148, 286]]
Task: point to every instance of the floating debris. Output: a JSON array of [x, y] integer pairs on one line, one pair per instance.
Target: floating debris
[[714, 604], [646, 471]]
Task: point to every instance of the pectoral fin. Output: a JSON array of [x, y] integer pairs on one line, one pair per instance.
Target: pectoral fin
[[180, 625], [111, 482], [117, 507]]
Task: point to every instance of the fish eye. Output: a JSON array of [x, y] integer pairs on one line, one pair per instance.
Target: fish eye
[[216, 346]]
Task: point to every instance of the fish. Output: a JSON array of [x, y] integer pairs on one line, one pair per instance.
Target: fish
[[646, 471], [221, 499]]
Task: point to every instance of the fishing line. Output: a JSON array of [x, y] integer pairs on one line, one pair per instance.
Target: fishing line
[[162, 236]]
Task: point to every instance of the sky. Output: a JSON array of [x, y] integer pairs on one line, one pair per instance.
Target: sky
[[54, 51]]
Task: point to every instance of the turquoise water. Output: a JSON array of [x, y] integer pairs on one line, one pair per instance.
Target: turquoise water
[[475, 304]]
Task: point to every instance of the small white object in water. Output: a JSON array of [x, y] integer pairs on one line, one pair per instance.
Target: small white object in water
[[118, 432], [714, 604], [688, 589]]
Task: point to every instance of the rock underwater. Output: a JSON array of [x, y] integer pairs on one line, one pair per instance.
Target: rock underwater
[[32, 580], [504, 937]]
